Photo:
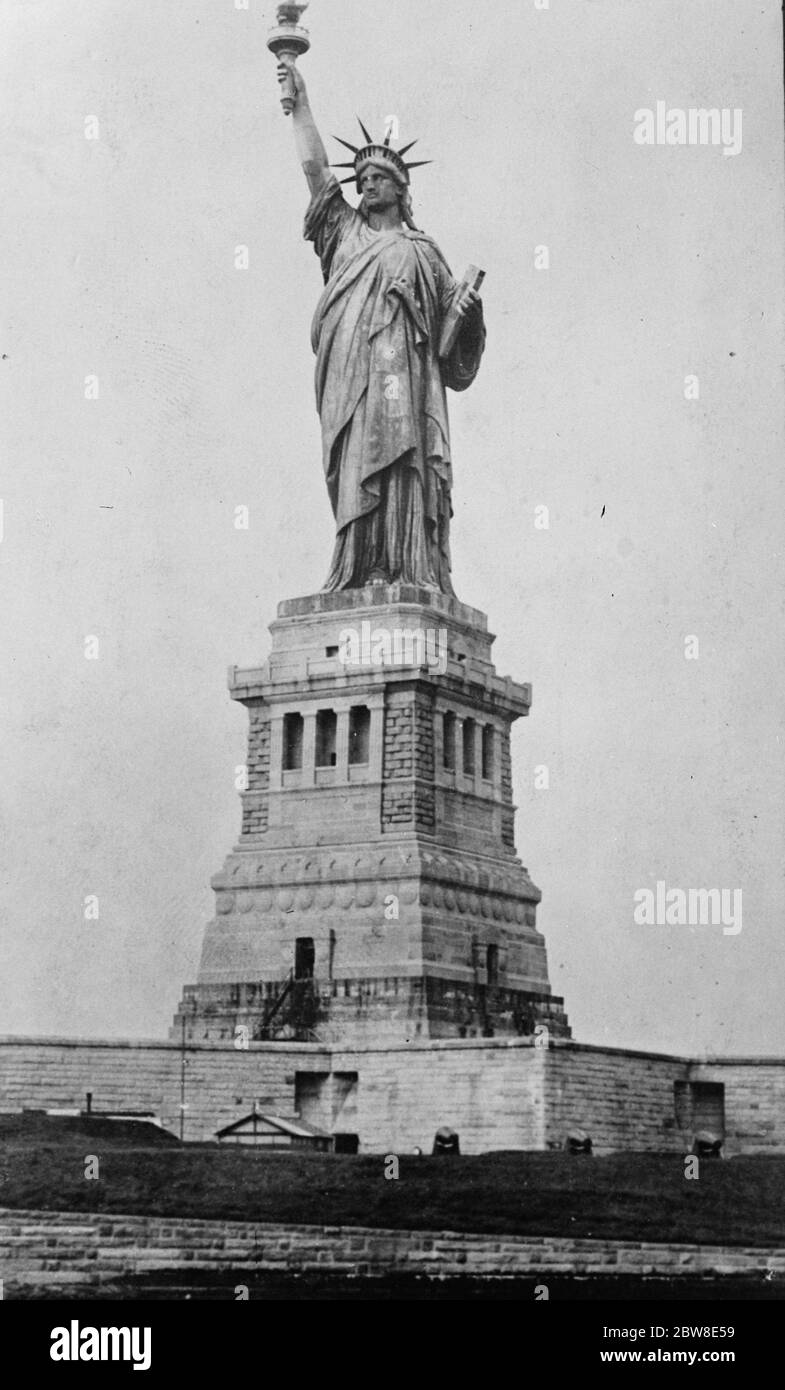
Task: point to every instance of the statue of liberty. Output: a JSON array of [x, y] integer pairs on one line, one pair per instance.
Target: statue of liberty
[[382, 366]]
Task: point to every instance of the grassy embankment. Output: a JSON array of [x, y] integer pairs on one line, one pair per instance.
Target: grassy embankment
[[621, 1197]]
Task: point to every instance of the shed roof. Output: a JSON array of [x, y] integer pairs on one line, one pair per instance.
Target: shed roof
[[297, 1128]]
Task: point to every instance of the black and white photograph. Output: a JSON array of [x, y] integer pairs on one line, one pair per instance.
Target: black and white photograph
[[392, 546]]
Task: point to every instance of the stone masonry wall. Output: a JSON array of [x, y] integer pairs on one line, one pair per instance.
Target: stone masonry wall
[[408, 793], [508, 813], [498, 1094], [754, 1103], [491, 1094], [221, 1083], [622, 1100], [84, 1251], [424, 786], [625, 1100], [255, 800], [492, 1097]]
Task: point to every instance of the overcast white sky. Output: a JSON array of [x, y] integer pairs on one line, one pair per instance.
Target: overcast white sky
[[117, 775]]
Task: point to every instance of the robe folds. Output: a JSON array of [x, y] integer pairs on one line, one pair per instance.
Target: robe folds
[[381, 397]]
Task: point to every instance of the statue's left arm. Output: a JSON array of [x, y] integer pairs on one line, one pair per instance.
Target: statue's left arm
[[463, 363]]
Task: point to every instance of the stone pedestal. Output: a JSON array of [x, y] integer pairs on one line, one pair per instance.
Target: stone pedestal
[[375, 894]]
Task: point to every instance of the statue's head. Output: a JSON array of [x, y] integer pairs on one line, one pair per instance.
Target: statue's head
[[383, 161], [391, 170], [381, 185]]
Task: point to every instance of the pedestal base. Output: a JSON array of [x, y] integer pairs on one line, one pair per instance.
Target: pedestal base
[[375, 892]]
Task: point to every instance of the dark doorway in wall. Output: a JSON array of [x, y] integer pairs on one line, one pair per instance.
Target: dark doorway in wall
[[345, 1088], [700, 1105], [311, 1098], [708, 1106], [347, 1143], [492, 965], [304, 956]]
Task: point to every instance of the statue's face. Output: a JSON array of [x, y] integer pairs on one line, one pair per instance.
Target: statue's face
[[379, 190]]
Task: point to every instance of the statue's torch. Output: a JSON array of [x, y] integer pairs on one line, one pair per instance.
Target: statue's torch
[[287, 41]]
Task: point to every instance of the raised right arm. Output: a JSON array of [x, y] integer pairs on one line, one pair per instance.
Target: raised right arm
[[310, 149]]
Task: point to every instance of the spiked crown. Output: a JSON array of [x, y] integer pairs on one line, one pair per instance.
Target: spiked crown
[[372, 152]]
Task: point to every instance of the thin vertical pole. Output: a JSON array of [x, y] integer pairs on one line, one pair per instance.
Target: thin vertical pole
[[182, 1077]]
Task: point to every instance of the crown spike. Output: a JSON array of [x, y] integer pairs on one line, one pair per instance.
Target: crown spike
[[351, 179], [375, 148]]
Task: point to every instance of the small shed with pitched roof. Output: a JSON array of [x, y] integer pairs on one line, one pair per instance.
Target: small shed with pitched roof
[[258, 1130]]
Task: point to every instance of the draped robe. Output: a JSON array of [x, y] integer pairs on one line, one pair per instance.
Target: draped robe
[[380, 393]]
